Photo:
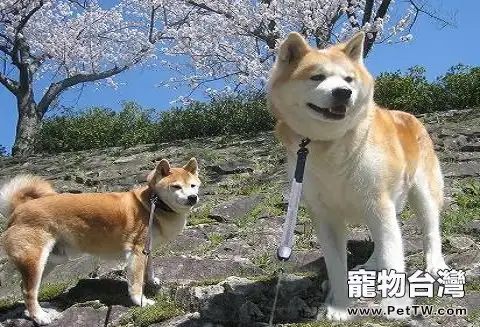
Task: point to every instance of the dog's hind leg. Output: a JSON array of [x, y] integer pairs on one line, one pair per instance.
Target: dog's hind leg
[[426, 200], [29, 250]]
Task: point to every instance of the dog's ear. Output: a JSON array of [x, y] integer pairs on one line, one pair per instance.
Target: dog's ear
[[354, 47], [162, 170], [293, 48], [192, 166]]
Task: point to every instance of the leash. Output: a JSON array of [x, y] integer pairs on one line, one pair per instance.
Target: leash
[[154, 200], [284, 250]]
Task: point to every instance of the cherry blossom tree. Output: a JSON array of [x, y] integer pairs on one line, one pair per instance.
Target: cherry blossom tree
[[63, 43], [235, 40], [66, 43]]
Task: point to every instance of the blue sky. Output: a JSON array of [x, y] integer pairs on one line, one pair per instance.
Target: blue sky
[[434, 48]]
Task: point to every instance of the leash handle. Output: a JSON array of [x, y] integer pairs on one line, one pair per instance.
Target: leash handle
[[284, 251], [302, 154]]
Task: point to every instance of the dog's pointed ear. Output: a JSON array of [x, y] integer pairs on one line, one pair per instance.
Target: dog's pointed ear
[[354, 47], [192, 166], [161, 170], [293, 48]]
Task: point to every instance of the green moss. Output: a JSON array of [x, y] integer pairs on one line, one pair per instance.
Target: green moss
[[473, 285], [201, 216], [164, 308], [468, 201], [7, 304], [406, 213], [356, 323], [474, 316], [270, 206], [49, 291], [207, 282]]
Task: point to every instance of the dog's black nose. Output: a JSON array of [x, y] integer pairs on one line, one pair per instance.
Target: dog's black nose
[[192, 199], [341, 93]]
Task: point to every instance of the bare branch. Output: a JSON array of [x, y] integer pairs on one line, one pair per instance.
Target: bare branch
[[381, 12], [367, 15], [26, 18], [420, 9], [205, 7], [9, 83]]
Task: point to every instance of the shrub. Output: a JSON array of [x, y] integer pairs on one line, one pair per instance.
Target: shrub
[[459, 88], [242, 114]]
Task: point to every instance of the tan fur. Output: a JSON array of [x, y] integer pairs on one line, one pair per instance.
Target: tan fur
[[361, 167], [103, 224]]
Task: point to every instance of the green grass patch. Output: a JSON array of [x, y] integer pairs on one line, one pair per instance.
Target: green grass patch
[[50, 291], [473, 285], [468, 200], [7, 304], [201, 216], [356, 323], [207, 282], [474, 316], [270, 206], [163, 309]]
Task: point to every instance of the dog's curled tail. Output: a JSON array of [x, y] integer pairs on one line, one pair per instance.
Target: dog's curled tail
[[20, 189]]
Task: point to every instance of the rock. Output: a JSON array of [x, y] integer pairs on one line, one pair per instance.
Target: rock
[[473, 227], [235, 209], [232, 167], [249, 312], [460, 243], [205, 268], [299, 310]]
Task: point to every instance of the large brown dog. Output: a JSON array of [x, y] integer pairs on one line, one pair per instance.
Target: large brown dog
[[45, 227]]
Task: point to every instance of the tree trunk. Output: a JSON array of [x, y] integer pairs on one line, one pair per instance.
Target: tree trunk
[[27, 126]]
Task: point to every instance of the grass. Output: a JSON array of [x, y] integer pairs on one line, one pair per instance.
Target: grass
[[50, 291], [7, 304], [201, 216], [474, 316], [356, 323], [270, 206], [473, 285], [163, 309], [468, 200]]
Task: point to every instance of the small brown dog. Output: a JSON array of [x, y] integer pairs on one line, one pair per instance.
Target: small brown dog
[[46, 227]]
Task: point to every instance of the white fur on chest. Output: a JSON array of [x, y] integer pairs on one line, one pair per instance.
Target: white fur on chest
[[344, 183]]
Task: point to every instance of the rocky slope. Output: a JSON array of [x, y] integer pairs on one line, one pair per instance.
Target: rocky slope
[[222, 270]]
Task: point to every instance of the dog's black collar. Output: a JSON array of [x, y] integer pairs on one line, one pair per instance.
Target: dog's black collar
[[159, 203]]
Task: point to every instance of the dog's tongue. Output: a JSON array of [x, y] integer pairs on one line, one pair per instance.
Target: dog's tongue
[[340, 110]]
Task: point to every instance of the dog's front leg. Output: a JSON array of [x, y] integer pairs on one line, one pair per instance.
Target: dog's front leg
[[151, 279], [332, 237], [136, 273], [387, 237]]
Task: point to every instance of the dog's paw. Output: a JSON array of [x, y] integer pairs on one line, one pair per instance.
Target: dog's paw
[[42, 318], [155, 281], [142, 301], [337, 314], [434, 268]]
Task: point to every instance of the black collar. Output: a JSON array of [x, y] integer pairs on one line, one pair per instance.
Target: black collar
[[159, 203]]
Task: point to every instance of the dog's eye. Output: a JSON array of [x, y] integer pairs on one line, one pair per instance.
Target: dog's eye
[[193, 185], [177, 187], [318, 77], [348, 79]]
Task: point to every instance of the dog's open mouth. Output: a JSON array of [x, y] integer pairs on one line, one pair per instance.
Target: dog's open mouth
[[334, 113]]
